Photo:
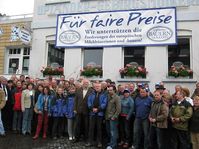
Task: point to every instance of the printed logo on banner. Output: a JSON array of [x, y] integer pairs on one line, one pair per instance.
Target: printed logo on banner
[[1, 31], [69, 37], [159, 33]]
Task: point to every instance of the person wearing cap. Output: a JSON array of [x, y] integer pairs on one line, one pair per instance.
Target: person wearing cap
[[141, 124], [136, 93], [160, 88], [127, 109]]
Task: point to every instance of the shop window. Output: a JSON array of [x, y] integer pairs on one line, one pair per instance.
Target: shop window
[[134, 56], [17, 61], [55, 56], [93, 56], [179, 54]]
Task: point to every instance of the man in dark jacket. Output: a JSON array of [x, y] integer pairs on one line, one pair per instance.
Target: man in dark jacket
[[97, 102], [81, 110]]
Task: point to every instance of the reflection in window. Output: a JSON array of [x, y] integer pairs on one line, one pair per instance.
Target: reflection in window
[[93, 56], [179, 53], [134, 55], [55, 55]]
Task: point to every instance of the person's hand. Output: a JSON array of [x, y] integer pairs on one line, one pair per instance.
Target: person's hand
[[39, 112], [95, 110]]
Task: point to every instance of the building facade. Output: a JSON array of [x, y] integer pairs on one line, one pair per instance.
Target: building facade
[[156, 59], [15, 44]]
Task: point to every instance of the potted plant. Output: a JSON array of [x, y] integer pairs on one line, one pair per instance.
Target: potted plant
[[52, 71], [91, 71], [181, 71], [133, 71]]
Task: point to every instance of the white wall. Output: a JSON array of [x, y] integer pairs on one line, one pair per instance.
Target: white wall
[[156, 58]]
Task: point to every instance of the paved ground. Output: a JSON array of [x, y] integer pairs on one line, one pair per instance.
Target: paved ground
[[17, 141]]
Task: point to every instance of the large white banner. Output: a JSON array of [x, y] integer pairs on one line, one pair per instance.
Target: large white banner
[[117, 28]]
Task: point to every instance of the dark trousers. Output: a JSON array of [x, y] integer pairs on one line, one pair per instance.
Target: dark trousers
[[58, 125], [95, 123], [124, 129], [179, 139], [157, 138], [81, 125]]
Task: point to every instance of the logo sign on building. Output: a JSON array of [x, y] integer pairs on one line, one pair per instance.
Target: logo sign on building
[[117, 28], [25, 36], [1, 31]]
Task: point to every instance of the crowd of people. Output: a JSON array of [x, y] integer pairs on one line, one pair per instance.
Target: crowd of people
[[101, 114]]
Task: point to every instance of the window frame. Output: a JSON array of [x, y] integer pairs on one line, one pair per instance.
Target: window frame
[[83, 52], [190, 54], [123, 56]]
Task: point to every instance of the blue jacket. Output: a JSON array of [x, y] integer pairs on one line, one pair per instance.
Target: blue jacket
[[57, 107], [40, 102], [127, 106], [142, 107], [70, 107], [103, 99]]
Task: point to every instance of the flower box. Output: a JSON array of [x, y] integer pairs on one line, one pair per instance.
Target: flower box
[[133, 71], [91, 71], [49, 71], [181, 72]]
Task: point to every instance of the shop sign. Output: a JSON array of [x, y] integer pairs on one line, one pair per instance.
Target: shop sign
[[117, 28], [25, 36]]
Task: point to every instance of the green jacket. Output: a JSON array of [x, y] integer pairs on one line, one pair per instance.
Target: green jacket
[[113, 108], [183, 111]]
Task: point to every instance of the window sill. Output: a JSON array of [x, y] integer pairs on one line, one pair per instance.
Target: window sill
[[144, 80], [179, 80]]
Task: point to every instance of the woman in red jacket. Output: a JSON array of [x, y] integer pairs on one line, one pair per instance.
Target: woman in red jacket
[[17, 118]]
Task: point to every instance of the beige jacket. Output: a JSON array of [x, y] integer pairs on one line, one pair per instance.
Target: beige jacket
[[25, 99], [2, 99]]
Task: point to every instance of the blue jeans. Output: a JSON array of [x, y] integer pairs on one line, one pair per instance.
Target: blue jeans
[[27, 118], [112, 131], [2, 131], [141, 126], [17, 118]]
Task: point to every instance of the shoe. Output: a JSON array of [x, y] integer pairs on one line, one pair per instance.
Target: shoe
[[108, 147], [121, 143], [132, 147], [35, 137], [3, 135], [23, 133], [44, 136], [15, 131], [70, 138], [88, 145], [75, 140], [99, 145], [126, 145], [54, 138]]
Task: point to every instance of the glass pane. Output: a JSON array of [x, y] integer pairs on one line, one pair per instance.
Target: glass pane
[[13, 65], [135, 55], [180, 52], [93, 55], [53, 55], [25, 66]]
